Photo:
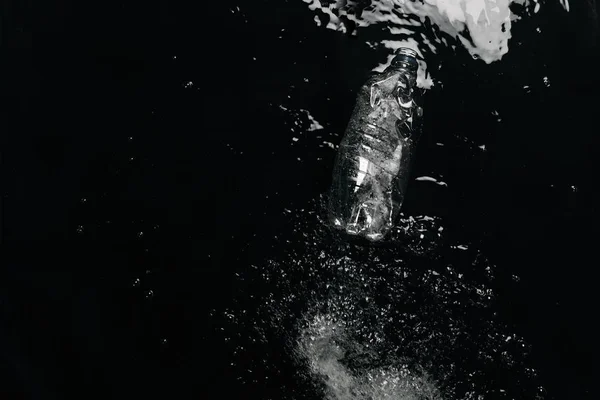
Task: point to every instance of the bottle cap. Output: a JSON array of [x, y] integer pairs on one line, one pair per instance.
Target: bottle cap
[[407, 51], [407, 55]]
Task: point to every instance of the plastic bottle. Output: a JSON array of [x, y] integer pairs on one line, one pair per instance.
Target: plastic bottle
[[372, 165]]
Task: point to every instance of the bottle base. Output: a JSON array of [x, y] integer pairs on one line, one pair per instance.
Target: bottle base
[[355, 232]]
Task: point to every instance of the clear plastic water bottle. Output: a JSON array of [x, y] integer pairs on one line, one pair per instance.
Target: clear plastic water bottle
[[372, 166]]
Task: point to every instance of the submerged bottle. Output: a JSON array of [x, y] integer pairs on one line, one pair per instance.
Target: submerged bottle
[[372, 166]]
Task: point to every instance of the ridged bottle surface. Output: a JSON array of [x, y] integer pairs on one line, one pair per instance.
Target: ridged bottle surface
[[373, 161]]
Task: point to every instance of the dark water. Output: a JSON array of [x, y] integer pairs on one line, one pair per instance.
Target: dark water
[[146, 244]]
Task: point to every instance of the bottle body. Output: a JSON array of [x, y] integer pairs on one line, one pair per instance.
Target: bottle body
[[373, 162]]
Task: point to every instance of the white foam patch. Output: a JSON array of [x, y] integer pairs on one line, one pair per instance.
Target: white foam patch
[[483, 27], [319, 344]]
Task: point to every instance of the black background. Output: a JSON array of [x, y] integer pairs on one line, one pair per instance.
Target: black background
[[176, 180]]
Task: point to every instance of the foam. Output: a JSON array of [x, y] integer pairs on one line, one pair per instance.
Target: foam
[[483, 27]]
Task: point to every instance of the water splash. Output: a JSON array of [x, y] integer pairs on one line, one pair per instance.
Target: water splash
[[483, 27], [411, 322], [321, 344]]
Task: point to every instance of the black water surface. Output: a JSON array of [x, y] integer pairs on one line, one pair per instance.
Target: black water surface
[[145, 160]]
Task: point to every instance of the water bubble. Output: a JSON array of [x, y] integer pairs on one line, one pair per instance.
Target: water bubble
[[84, 200], [368, 324], [140, 235], [546, 81]]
